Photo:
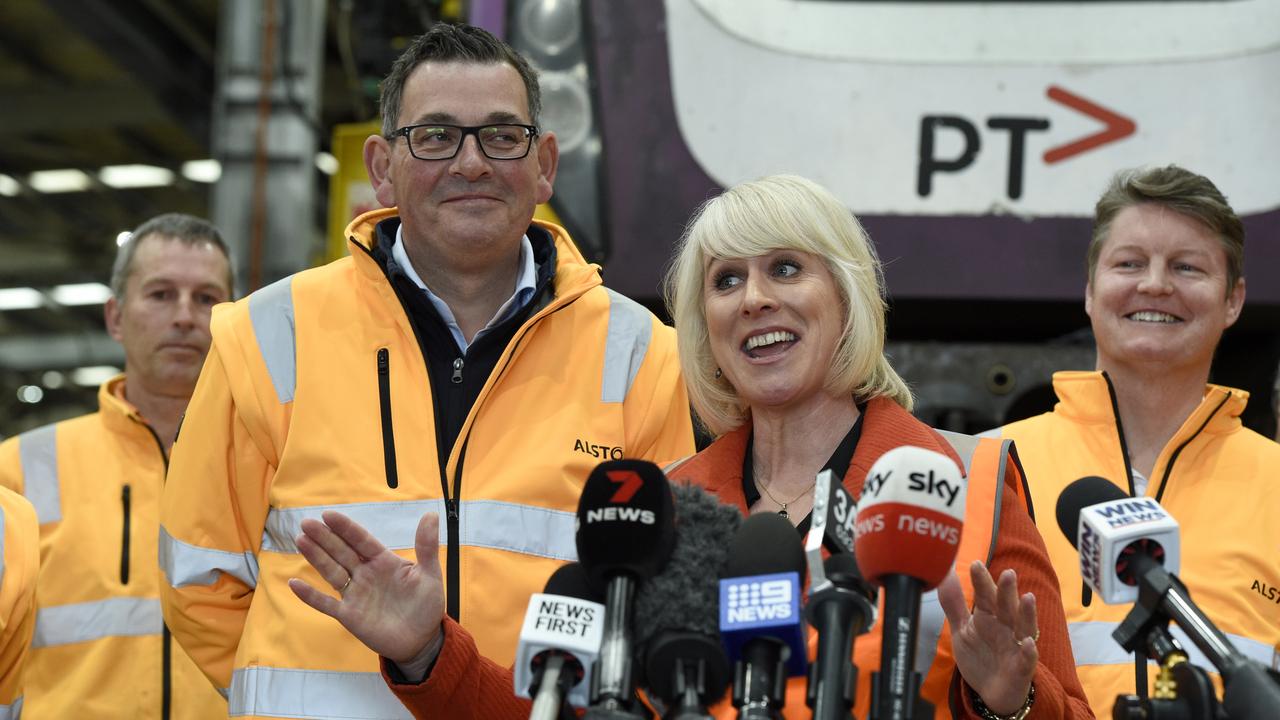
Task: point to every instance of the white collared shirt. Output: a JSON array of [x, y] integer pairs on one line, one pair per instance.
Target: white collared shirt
[[526, 280]]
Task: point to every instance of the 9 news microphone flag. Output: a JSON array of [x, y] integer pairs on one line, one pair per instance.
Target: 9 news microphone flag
[[760, 613]]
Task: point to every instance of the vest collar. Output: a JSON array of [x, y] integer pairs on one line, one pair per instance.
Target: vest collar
[[117, 413], [1085, 397], [574, 275]]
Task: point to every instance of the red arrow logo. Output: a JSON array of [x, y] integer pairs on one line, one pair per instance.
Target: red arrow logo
[[1118, 126], [628, 483]]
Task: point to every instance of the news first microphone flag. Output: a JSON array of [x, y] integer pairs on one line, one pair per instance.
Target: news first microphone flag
[[561, 624]]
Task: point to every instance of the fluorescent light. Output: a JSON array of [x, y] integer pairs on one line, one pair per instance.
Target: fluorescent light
[[93, 375], [30, 394], [326, 163], [8, 186], [58, 181], [135, 176], [81, 294], [20, 298], [202, 171], [122, 237], [53, 379]]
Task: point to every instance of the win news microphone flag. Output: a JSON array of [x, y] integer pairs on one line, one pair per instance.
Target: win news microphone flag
[[625, 536], [559, 644], [760, 621], [909, 521], [1129, 552]]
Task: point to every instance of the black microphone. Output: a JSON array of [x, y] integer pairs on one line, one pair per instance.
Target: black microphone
[[840, 609], [559, 643], [625, 535], [677, 612], [1118, 534], [909, 521], [760, 613]]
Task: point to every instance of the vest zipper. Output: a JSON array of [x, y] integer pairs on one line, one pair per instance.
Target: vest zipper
[[124, 536], [1168, 469], [166, 652], [453, 504], [384, 404], [166, 691]]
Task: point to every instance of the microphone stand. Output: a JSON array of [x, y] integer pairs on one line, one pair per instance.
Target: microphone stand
[[1250, 689], [1182, 691], [895, 694], [612, 696]]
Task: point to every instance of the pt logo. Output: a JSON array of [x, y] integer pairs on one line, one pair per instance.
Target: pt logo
[[628, 482], [1116, 127]]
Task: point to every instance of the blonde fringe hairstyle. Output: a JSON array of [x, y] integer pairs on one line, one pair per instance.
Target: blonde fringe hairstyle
[[775, 213]]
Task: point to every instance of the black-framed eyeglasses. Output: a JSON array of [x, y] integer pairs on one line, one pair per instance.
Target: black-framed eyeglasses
[[438, 141]]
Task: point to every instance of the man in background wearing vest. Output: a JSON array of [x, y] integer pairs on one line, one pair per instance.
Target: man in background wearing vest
[[19, 569], [100, 647], [464, 364], [1165, 279]]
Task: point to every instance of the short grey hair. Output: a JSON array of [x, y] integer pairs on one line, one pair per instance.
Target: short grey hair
[[186, 229]]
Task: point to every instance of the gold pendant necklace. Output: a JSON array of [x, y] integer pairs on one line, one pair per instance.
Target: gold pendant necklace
[[783, 509]]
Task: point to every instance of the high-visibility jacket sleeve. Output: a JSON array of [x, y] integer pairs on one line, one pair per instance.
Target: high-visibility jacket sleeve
[[212, 514], [1019, 547], [21, 557], [658, 406], [463, 684]]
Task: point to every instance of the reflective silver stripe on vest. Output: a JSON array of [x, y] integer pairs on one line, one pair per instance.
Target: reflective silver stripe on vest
[[630, 330], [964, 445], [82, 622], [11, 712], [291, 693], [1093, 645], [186, 564], [523, 529], [38, 451], [931, 621], [271, 312]]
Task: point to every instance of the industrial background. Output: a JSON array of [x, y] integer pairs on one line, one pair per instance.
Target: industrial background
[[251, 113]]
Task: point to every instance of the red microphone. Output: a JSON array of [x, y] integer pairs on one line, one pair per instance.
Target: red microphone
[[909, 522]]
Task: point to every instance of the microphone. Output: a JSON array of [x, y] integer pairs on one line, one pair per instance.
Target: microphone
[[1112, 532], [559, 644], [677, 612], [625, 535], [841, 608], [1128, 547], [760, 613], [908, 532]]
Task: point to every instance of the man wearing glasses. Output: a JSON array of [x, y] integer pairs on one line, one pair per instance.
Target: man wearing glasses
[[442, 388]]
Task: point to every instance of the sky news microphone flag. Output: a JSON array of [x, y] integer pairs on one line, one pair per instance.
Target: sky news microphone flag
[[909, 521]]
